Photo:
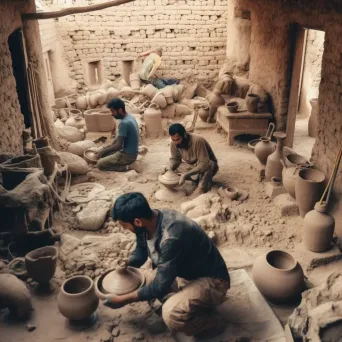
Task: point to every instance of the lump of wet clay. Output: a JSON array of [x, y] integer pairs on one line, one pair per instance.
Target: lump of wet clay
[[15, 296]]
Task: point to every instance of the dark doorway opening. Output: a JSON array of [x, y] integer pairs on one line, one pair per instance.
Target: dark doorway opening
[[16, 47]]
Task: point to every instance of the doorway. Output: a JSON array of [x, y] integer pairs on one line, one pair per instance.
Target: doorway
[[304, 92], [16, 47]]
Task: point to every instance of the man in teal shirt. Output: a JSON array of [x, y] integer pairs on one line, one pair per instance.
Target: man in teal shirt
[[121, 155]]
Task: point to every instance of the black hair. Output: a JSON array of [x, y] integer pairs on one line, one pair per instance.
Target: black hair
[[130, 206], [177, 128], [116, 104]]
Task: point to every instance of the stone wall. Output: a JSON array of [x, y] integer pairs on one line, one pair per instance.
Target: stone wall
[[12, 122], [311, 70], [192, 34], [271, 65]]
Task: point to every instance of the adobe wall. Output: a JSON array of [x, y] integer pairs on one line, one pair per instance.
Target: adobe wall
[[270, 65], [192, 34], [12, 122]]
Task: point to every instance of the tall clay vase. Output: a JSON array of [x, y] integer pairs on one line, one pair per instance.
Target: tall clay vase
[[278, 276], [309, 188], [153, 121], [313, 120], [41, 264], [252, 101], [318, 229], [127, 69], [77, 300], [274, 166], [263, 149]]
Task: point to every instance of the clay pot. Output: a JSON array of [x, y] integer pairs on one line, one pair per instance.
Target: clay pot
[[135, 81], [153, 121], [182, 110], [169, 179], [274, 166], [149, 91], [289, 176], [215, 99], [318, 229], [91, 155], [63, 115], [251, 144], [75, 121], [203, 113], [313, 120], [127, 92], [77, 300], [60, 103], [81, 103], [92, 100], [74, 112], [252, 101], [123, 280], [278, 276], [233, 106], [294, 159], [41, 264], [91, 120], [177, 91], [112, 93], [159, 100], [263, 149], [127, 68], [231, 193], [168, 94], [309, 188], [169, 112]]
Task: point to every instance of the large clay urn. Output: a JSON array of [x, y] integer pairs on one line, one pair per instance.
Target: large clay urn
[[123, 280], [153, 121], [41, 264], [313, 120], [274, 166], [318, 229], [252, 101], [263, 149], [309, 188], [77, 300], [278, 276]]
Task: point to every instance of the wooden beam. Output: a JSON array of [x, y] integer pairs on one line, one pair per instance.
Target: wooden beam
[[74, 10]]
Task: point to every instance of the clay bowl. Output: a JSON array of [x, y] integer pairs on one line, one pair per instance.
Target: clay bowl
[[233, 106], [41, 264], [231, 193], [169, 179], [77, 300], [90, 155], [293, 159]]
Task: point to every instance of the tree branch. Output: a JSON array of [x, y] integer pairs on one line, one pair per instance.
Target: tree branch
[[75, 10]]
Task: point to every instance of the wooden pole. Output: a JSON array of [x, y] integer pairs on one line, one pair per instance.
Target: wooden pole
[[74, 10]]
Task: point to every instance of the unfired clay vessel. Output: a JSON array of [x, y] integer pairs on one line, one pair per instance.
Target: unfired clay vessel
[[278, 276], [91, 155], [77, 300], [75, 121], [169, 179], [169, 112], [293, 159], [203, 113], [231, 193], [309, 188], [168, 94], [318, 229], [135, 81], [182, 110], [112, 93], [263, 149], [123, 280], [160, 100], [252, 101], [313, 120], [153, 121], [274, 166], [41, 264], [233, 106], [81, 102], [149, 91]]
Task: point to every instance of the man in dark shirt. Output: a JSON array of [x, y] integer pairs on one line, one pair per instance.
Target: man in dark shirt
[[178, 247]]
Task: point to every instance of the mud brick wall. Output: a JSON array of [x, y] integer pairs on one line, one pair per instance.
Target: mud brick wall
[[12, 122], [270, 65], [192, 34]]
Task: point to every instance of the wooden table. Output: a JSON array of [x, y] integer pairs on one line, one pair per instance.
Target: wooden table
[[242, 122]]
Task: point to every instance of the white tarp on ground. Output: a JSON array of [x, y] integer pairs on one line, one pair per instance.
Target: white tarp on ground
[[247, 314]]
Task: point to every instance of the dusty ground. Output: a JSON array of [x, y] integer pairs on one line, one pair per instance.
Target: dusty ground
[[257, 227]]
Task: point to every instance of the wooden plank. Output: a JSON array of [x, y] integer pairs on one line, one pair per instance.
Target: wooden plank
[[74, 10]]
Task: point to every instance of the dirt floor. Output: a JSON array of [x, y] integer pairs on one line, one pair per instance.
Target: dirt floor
[[256, 227]]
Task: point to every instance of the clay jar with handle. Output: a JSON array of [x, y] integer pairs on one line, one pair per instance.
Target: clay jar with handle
[[252, 101], [309, 187], [274, 166], [313, 120], [41, 264], [263, 149], [278, 276], [77, 300], [153, 121], [318, 229]]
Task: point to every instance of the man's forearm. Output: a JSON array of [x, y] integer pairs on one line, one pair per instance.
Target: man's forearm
[[117, 145], [129, 298], [197, 169]]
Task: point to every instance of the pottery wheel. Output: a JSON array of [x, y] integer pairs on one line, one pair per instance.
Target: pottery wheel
[[117, 284]]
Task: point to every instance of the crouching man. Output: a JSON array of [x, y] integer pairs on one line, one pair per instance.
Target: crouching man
[[178, 248], [192, 155]]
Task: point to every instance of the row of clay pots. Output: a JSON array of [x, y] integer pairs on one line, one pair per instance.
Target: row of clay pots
[[94, 99]]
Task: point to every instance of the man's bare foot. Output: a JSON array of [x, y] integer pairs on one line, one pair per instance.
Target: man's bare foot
[[136, 166]]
